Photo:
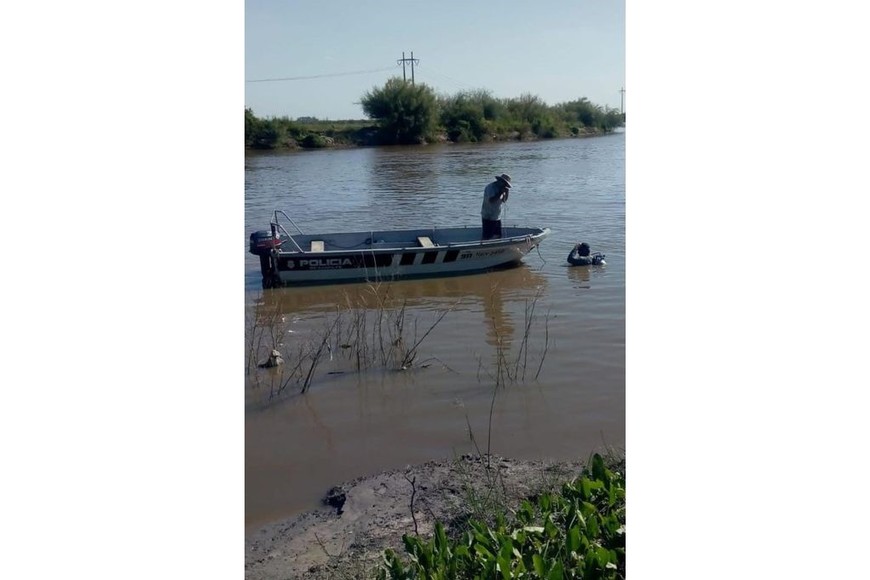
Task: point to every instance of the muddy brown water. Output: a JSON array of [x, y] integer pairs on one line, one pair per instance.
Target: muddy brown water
[[546, 339]]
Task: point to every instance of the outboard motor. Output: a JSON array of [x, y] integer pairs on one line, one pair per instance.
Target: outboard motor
[[262, 244]]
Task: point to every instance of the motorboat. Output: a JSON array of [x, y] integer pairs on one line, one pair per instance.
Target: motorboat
[[295, 259]]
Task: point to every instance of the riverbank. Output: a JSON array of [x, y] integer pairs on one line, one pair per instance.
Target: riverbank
[[502, 121], [343, 135], [362, 518]]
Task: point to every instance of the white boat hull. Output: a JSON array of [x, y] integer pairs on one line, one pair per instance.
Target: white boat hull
[[390, 255]]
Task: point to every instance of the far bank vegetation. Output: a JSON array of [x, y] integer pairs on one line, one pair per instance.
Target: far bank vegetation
[[400, 113]]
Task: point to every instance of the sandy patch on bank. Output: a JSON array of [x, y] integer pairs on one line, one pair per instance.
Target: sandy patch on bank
[[346, 539]]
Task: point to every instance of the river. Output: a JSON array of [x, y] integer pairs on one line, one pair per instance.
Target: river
[[527, 362]]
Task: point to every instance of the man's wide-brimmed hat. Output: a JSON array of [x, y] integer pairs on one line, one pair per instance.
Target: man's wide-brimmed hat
[[504, 177]]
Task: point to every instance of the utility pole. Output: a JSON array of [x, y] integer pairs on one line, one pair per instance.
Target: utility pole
[[413, 61], [622, 100]]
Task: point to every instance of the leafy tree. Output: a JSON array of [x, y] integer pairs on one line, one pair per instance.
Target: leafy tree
[[493, 109], [527, 108], [463, 118], [406, 113], [260, 133], [471, 115], [270, 133], [582, 112], [610, 119], [250, 127], [531, 117]]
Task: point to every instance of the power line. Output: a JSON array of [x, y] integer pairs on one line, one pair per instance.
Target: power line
[[443, 77], [342, 74]]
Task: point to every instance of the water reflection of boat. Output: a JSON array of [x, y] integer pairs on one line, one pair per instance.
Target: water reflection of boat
[[516, 283], [493, 298]]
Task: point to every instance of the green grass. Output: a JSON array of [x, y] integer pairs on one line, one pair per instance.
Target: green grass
[[577, 532]]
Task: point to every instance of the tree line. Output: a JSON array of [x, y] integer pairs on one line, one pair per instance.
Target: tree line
[[404, 113]]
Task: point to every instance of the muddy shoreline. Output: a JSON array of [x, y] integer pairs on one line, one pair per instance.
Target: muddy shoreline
[[362, 517]]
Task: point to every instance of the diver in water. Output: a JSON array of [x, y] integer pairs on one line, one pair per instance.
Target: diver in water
[[580, 256]]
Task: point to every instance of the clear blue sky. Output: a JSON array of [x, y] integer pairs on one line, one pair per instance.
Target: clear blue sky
[[559, 50]]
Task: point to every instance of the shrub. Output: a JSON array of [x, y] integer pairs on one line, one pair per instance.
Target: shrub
[[314, 141], [470, 115], [406, 113]]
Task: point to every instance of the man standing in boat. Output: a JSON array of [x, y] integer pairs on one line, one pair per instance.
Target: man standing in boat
[[494, 196]]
